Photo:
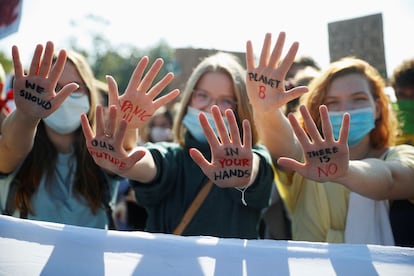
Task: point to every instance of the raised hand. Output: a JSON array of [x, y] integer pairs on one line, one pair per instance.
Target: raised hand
[[325, 158], [106, 146], [138, 103], [34, 93], [231, 159], [265, 83]]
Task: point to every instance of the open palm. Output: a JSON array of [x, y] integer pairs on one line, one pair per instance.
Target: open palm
[[138, 103], [325, 158], [108, 152], [265, 83], [231, 158], [34, 93]]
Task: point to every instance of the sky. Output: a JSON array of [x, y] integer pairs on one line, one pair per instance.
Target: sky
[[213, 24]]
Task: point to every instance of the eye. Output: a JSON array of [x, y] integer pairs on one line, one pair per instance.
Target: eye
[[331, 103], [360, 99], [202, 95], [228, 102]]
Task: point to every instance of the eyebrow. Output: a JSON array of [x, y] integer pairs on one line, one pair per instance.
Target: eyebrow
[[233, 96]]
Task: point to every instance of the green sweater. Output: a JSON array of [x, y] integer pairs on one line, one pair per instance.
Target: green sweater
[[177, 183]]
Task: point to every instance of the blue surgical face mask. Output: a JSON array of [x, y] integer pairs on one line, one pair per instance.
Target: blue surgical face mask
[[193, 125], [362, 122]]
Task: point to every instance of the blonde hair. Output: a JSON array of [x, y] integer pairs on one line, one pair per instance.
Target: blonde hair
[[386, 126], [230, 65], [87, 75]]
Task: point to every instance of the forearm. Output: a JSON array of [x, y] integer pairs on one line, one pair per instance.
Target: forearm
[[144, 170], [378, 179], [277, 135], [18, 132]]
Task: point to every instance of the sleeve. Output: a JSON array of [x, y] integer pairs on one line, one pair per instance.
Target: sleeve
[[168, 161], [403, 153]]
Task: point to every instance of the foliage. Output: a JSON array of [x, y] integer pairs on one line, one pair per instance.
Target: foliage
[[106, 58], [6, 62]]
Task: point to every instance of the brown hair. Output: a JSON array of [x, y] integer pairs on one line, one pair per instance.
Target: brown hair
[[42, 159], [385, 130]]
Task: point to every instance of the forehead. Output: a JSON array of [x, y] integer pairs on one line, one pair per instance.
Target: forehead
[[348, 84], [217, 83], [70, 74]]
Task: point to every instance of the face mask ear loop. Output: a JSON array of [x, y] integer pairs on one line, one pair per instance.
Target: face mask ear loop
[[243, 190]]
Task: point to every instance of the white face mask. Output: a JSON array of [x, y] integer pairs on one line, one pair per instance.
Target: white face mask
[[66, 118]]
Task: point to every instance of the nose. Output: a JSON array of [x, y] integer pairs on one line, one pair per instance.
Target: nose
[[347, 106]]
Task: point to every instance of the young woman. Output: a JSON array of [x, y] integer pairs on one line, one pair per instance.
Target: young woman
[[47, 171], [213, 141], [343, 143]]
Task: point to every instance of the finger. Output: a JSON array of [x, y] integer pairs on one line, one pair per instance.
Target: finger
[[295, 93], [34, 66], [277, 50], [289, 58], [159, 86], [326, 123], [291, 164], [133, 158], [199, 159], [344, 132], [221, 127], [299, 131], [163, 100], [63, 94], [264, 56], [110, 122], [58, 67], [234, 128], [100, 121], [137, 74], [18, 67], [119, 134], [151, 74], [112, 91], [46, 60], [208, 131], [247, 134], [87, 131], [249, 56], [310, 125]]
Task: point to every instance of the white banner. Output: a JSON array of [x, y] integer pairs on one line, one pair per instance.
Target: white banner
[[42, 248]]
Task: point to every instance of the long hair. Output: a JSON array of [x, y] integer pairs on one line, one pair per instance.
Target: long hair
[[385, 130], [219, 62], [43, 156]]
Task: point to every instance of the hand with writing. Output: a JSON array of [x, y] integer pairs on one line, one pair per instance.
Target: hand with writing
[[107, 150], [325, 158], [231, 158], [138, 102], [34, 93], [265, 83]]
